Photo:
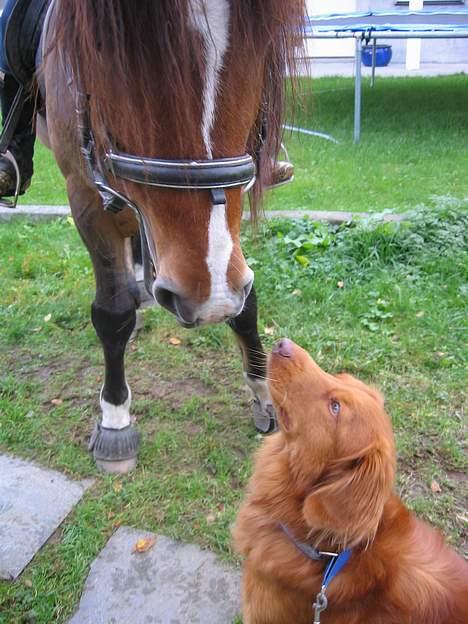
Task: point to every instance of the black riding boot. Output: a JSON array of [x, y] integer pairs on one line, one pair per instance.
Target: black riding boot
[[22, 143]]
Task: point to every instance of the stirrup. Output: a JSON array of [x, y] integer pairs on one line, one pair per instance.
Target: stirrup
[[4, 202], [288, 178]]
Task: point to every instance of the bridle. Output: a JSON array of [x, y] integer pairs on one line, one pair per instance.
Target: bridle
[[214, 175]]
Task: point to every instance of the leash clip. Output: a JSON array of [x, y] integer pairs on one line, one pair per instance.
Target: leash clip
[[334, 567], [320, 604]]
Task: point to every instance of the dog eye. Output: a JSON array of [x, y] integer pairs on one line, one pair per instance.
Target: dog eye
[[335, 407]]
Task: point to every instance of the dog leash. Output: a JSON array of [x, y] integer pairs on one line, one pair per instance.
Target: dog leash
[[333, 568]]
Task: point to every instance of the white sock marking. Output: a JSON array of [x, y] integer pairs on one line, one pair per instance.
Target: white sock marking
[[116, 416], [259, 388]]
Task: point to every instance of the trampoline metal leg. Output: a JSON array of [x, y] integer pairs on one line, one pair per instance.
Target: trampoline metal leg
[[357, 91], [374, 54]]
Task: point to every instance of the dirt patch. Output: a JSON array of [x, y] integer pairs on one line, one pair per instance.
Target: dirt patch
[[175, 392], [149, 381], [458, 477]]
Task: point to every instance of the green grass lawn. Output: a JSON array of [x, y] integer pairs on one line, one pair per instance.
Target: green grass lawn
[[386, 302], [413, 148]]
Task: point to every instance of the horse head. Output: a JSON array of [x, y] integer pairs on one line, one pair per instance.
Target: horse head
[[181, 82]]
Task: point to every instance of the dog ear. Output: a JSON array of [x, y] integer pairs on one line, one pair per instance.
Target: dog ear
[[347, 504]]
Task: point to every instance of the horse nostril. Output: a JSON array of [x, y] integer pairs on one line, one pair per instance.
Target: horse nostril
[[172, 301], [248, 288], [165, 298]]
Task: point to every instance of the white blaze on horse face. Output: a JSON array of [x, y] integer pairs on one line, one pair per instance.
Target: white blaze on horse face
[[116, 416], [220, 302], [211, 19]]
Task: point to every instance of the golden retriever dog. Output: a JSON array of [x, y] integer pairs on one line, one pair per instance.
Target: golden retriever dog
[[325, 484]]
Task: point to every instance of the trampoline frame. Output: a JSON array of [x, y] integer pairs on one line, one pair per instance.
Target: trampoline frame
[[367, 33]]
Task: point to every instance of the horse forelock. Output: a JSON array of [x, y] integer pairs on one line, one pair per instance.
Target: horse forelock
[[152, 68]]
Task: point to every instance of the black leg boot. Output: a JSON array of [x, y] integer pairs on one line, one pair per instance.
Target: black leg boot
[[22, 143]]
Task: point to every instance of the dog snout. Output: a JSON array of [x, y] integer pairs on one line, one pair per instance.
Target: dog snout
[[284, 348]]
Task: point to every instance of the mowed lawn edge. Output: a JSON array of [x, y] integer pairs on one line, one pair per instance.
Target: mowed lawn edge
[[411, 153]]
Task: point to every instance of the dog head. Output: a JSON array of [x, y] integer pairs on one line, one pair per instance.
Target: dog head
[[340, 445]]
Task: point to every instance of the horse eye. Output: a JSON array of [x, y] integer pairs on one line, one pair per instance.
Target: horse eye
[[335, 407]]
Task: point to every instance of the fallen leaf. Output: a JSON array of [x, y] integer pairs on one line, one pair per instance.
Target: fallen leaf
[[435, 487], [210, 518], [173, 340], [57, 401], [47, 317], [117, 487], [303, 260], [340, 284], [144, 544], [28, 583], [269, 331]]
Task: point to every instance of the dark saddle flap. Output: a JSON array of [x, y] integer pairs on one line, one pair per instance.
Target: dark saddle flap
[[22, 36]]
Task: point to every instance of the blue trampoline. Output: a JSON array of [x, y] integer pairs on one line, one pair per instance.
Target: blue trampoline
[[369, 26], [441, 21]]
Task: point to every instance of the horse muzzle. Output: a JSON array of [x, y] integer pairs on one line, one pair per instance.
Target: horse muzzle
[[218, 308]]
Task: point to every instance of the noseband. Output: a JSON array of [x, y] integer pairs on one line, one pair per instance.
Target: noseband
[[214, 175]]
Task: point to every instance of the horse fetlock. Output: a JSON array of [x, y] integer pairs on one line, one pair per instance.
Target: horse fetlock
[[264, 413], [115, 450]]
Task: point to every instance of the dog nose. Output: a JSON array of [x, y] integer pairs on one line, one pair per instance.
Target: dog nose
[[284, 347]]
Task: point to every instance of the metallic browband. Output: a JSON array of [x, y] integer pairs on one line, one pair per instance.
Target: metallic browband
[[218, 173], [214, 175]]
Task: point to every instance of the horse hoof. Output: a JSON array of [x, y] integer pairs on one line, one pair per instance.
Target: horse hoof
[[115, 450], [264, 417], [117, 467]]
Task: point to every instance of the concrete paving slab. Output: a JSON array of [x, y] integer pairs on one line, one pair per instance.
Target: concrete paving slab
[[33, 503], [172, 583]]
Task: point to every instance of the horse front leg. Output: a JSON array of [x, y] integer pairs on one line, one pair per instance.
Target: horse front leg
[[254, 360], [115, 440]]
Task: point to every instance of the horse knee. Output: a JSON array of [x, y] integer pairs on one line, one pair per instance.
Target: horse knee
[[114, 328]]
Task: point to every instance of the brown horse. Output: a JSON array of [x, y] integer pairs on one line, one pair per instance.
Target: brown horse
[[154, 111]]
